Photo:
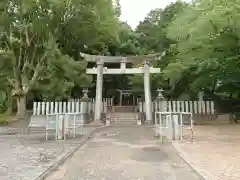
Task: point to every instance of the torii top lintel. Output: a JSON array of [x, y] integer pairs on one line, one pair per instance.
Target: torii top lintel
[[119, 59]]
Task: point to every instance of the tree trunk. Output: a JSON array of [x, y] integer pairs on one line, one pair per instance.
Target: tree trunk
[[21, 107]]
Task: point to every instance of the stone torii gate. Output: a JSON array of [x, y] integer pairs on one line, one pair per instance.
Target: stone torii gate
[[146, 70], [122, 93]]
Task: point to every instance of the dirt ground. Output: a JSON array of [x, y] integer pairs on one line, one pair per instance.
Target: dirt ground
[[215, 150], [27, 156]]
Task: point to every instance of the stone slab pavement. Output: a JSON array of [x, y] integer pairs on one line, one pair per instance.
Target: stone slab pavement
[[215, 151], [125, 153], [27, 157]]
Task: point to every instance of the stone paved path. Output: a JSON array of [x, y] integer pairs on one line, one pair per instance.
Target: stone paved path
[[125, 153], [25, 157], [215, 151]]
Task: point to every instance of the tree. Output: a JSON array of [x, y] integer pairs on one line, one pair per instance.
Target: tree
[[28, 43], [153, 29], [152, 38], [206, 36], [37, 37]]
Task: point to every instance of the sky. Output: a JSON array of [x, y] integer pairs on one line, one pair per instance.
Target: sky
[[134, 11]]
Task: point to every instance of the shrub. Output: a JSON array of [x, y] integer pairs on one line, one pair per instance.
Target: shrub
[[3, 122]]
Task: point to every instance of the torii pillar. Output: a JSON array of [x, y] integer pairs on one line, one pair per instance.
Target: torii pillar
[[99, 86], [147, 91]]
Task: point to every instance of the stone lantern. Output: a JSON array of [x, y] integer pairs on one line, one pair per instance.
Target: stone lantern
[[85, 97], [160, 95], [162, 106], [84, 106]]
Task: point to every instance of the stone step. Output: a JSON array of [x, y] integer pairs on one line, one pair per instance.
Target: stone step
[[123, 114], [123, 109], [124, 122], [119, 119], [123, 118]]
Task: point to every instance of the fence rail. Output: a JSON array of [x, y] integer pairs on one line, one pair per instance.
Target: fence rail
[[76, 106], [72, 106], [195, 107]]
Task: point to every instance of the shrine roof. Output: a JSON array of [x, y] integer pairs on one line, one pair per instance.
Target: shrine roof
[[119, 59]]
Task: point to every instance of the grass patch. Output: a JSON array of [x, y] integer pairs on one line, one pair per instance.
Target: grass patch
[[4, 119]]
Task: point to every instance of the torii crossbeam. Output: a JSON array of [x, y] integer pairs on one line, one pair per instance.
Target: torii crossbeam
[[140, 70]]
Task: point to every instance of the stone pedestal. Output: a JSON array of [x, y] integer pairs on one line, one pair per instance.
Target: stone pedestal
[[84, 105], [83, 111], [161, 103]]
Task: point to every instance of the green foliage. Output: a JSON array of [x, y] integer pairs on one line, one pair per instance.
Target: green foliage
[[41, 41], [153, 29], [206, 35], [3, 100], [201, 41], [4, 120], [153, 39]]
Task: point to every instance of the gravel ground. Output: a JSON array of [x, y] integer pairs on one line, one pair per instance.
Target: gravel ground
[[25, 157], [125, 153]]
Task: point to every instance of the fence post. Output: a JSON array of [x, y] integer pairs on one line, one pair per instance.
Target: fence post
[[38, 108], [34, 108]]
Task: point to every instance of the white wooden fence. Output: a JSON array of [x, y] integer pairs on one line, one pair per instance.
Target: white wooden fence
[[72, 106], [76, 106], [195, 107]]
